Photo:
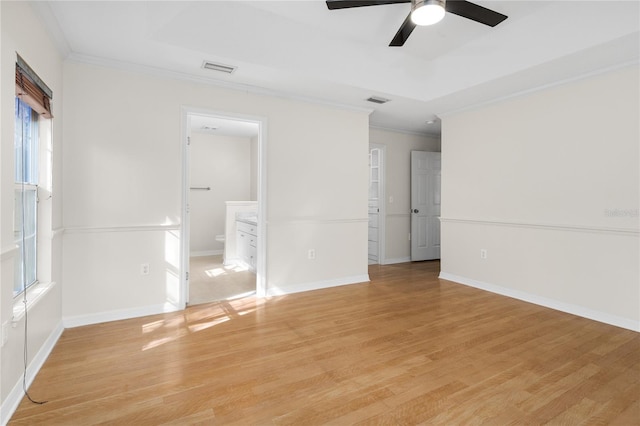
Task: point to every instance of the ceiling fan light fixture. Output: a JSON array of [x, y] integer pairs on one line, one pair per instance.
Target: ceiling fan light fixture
[[427, 12]]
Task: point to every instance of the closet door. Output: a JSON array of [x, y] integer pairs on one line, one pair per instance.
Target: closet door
[[425, 205]]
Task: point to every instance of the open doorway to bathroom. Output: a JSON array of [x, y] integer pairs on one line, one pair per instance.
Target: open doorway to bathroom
[[221, 213]]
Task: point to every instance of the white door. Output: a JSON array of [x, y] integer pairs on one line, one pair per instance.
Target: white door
[[425, 205]]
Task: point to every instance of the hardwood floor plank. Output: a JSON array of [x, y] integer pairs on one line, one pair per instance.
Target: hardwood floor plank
[[405, 349]]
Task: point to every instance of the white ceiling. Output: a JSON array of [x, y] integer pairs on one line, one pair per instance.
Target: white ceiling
[[303, 50]]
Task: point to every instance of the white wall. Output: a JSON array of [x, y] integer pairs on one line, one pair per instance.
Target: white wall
[[548, 183], [45, 318], [123, 178], [222, 163], [398, 185], [254, 168]]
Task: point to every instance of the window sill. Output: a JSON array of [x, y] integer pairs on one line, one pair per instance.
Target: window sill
[[34, 294]]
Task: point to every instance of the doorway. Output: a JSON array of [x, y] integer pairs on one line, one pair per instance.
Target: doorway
[[223, 175]]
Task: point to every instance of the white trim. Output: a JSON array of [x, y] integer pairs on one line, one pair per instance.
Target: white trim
[[175, 75], [382, 203], [397, 260], [234, 261], [34, 293], [548, 226], [546, 302], [117, 315], [185, 193], [261, 264], [404, 131], [9, 253], [540, 88], [205, 253], [132, 228], [58, 232], [317, 285], [11, 402]]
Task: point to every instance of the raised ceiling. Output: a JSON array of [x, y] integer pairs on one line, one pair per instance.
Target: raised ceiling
[[303, 50]]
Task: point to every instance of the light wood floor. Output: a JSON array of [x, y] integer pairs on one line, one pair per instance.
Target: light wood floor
[[210, 280], [405, 349]]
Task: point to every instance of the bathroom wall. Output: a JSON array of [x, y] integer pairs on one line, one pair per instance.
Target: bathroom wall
[[254, 168], [222, 163]]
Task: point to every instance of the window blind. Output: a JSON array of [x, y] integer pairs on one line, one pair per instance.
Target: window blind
[[32, 90]]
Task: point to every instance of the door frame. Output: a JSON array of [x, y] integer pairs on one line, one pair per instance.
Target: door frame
[[261, 264], [382, 203]]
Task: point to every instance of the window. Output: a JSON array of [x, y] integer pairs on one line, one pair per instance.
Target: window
[[32, 176], [26, 195]]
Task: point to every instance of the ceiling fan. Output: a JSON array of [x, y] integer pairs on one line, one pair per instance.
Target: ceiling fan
[[427, 12]]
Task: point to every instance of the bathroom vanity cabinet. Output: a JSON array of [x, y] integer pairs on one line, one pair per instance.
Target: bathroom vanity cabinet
[[246, 241]]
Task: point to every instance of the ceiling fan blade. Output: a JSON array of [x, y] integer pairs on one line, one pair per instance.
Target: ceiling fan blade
[[347, 4], [403, 33], [475, 12]]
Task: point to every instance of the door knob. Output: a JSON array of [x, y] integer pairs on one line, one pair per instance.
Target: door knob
[[416, 211]]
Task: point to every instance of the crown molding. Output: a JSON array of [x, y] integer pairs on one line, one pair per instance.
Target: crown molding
[[526, 92]]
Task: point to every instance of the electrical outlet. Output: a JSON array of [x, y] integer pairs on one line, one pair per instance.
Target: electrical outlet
[[144, 269], [5, 333], [311, 254], [483, 253]]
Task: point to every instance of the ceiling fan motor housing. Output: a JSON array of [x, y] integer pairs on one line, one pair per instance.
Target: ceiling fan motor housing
[[418, 3], [427, 12]]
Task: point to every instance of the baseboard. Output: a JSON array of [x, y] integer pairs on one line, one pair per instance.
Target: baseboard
[[396, 260], [205, 253], [546, 302], [10, 404], [317, 285], [80, 320], [233, 261]]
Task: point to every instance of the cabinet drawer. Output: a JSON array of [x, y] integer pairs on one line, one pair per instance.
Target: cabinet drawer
[[245, 227], [252, 256]]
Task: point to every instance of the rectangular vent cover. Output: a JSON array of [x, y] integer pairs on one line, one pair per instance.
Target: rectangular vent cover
[[378, 100], [218, 67]]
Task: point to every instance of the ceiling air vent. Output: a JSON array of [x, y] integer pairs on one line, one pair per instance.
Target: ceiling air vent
[[378, 100], [218, 67]]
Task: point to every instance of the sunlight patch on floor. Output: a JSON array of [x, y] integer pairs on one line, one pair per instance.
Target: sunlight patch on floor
[[164, 340], [216, 272], [204, 325]]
